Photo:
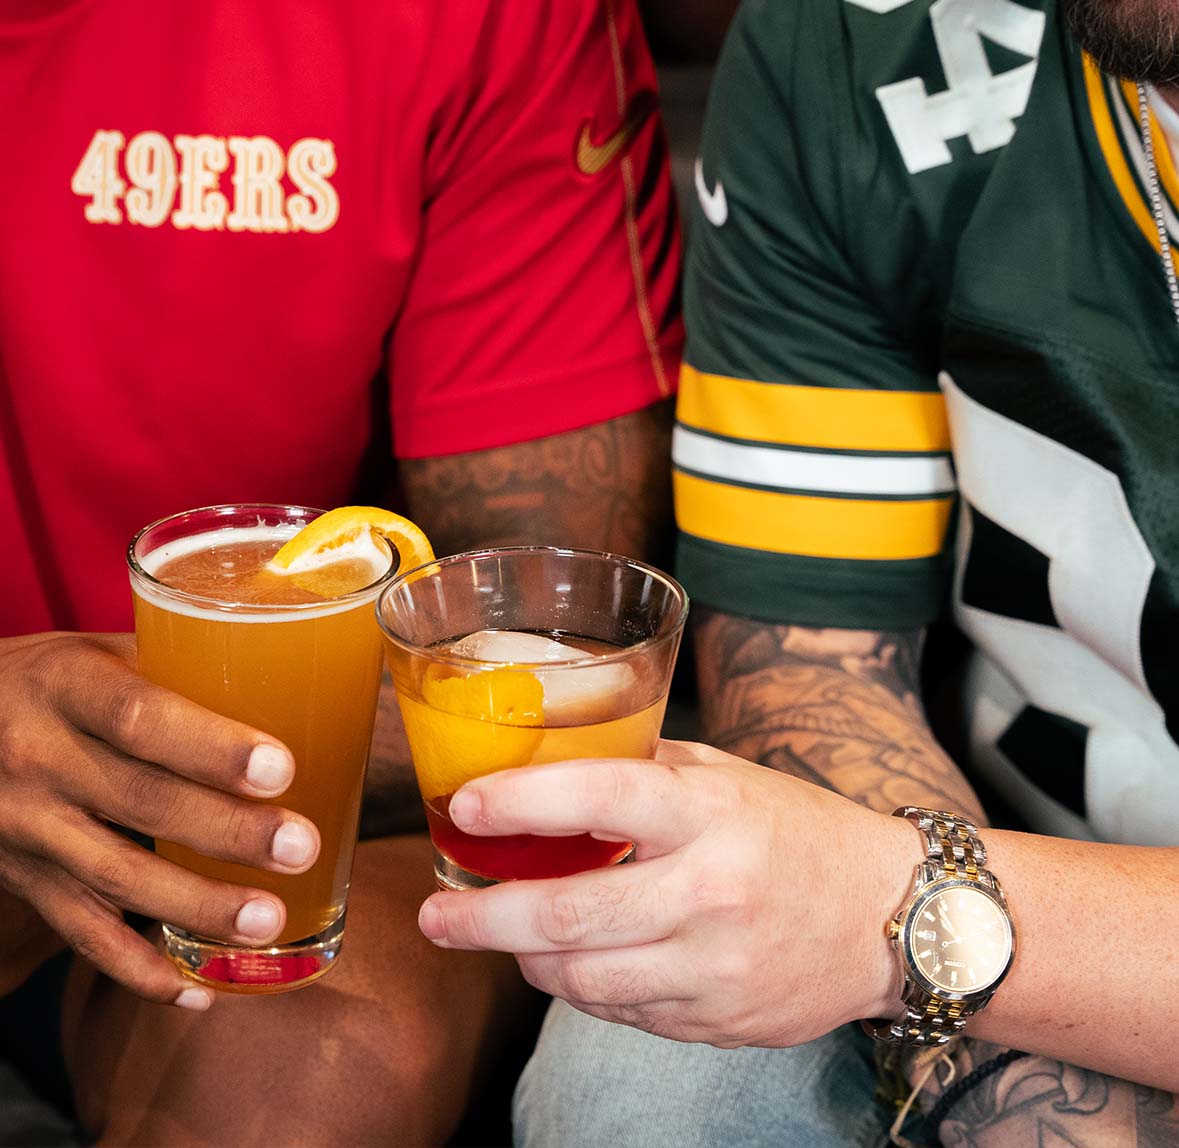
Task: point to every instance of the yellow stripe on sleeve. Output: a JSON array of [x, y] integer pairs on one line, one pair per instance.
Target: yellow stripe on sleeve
[[828, 417], [801, 524]]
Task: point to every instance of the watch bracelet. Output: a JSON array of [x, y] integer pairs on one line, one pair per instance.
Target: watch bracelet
[[950, 840], [952, 849]]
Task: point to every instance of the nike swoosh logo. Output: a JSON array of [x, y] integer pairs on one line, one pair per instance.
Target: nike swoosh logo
[[713, 203], [592, 157]]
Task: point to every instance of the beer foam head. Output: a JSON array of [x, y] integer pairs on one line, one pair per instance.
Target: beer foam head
[[365, 550]]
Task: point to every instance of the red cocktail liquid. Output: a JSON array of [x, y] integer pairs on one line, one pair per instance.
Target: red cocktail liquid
[[520, 855]]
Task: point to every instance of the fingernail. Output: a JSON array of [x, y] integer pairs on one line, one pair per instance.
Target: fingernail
[[194, 999], [269, 769], [258, 920], [431, 922], [464, 808], [293, 844]]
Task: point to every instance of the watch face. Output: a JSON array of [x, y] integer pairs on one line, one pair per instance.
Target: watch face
[[960, 940]]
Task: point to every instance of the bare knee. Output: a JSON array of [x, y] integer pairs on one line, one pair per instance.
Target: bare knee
[[385, 1050]]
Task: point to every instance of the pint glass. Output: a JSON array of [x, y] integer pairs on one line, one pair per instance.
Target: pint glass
[[306, 672]]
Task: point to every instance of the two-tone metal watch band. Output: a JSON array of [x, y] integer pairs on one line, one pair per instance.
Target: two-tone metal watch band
[[952, 849], [950, 841]]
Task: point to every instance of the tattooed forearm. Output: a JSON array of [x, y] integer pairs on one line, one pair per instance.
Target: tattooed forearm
[[607, 487], [838, 707], [1036, 1101], [1157, 1117]]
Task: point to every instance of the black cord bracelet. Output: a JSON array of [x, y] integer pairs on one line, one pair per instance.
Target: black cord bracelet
[[960, 1088]]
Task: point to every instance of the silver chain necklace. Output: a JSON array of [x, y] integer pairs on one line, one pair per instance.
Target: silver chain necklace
[[1156, 201]]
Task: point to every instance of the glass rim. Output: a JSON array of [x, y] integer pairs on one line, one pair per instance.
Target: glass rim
[[222, 605], [679, 618]]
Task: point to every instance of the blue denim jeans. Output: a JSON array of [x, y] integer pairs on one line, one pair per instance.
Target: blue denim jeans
[[591, 1084]]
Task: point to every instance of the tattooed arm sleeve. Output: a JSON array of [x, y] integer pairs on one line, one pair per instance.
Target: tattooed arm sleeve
[[837, 707], [605, 487]]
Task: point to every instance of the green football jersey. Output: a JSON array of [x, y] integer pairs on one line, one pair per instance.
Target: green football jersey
[[923, 259]]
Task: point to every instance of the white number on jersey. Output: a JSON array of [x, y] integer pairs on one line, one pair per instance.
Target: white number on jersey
[[977, 103], [1090, 669]]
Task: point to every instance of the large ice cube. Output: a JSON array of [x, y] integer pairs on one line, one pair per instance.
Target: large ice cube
[[571, 696], [514, 646], [587, 694]]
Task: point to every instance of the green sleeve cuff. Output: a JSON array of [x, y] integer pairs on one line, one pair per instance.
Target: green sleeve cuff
[[799, 590]]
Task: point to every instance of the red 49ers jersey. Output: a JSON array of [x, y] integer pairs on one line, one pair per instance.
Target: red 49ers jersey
[[223, 223]]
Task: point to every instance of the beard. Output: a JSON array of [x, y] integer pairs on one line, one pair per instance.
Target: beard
[[1134, 40]]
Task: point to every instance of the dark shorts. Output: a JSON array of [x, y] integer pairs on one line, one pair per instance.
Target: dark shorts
[[30, 1033]]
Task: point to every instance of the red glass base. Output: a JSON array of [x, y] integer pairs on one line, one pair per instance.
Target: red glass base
[[235, 969], [521, 855]]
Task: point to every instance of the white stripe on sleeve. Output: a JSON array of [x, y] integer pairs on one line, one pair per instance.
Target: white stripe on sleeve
[[837, 473]]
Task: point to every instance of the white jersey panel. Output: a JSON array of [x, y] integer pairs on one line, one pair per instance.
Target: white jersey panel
[[1090, 668]]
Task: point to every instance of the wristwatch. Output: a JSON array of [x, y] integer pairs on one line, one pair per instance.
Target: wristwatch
[[954, 936]]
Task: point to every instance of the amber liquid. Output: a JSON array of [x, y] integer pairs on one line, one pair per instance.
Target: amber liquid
[[309, 678], [625, 731]]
